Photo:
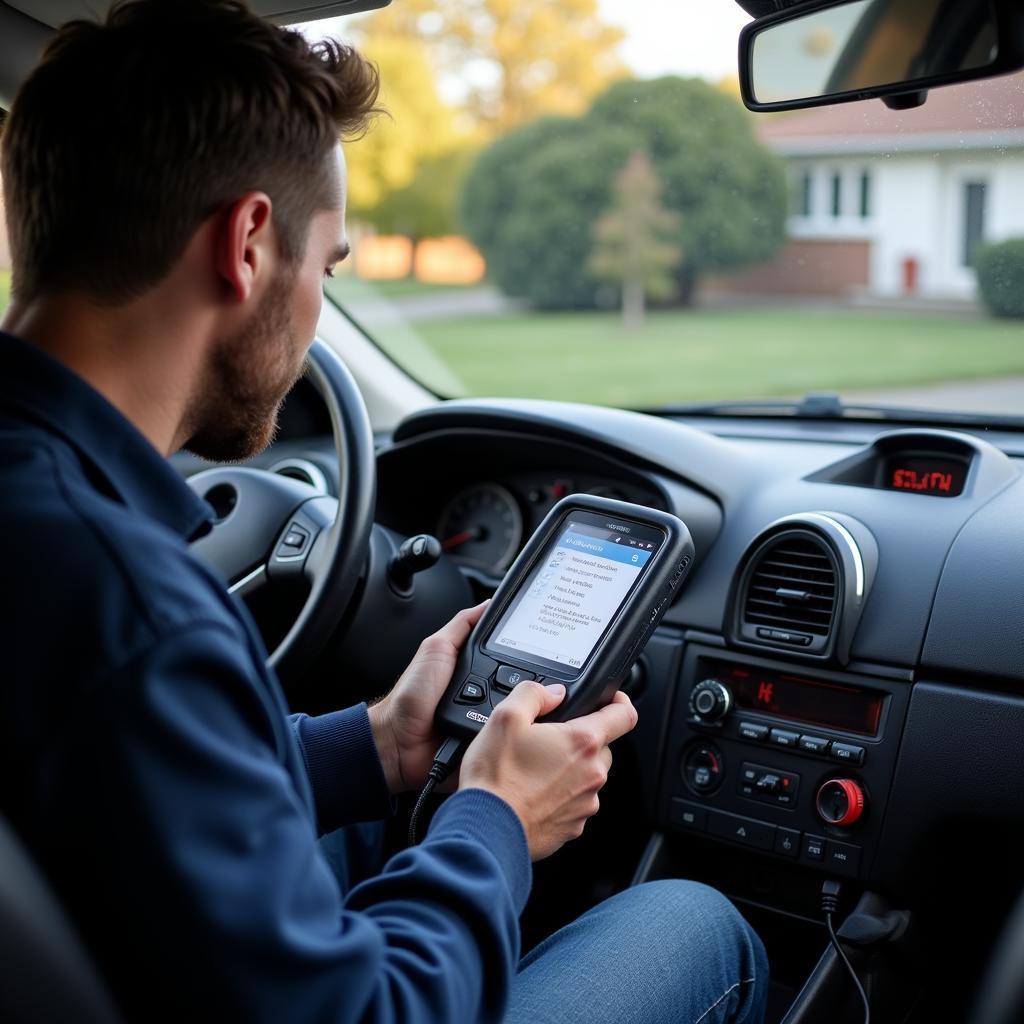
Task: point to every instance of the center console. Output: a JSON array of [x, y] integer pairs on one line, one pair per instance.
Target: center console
[[795, 765]]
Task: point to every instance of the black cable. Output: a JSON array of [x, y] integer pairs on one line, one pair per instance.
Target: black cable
[[829, 903], [445, 762]]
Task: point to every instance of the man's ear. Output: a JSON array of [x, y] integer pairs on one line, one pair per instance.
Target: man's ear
[[244, 241]]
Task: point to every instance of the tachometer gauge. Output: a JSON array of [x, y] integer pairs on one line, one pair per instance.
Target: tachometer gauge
[[483, 526]]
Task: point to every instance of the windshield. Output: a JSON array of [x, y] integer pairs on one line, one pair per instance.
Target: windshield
[[573, 203], [566, 199]]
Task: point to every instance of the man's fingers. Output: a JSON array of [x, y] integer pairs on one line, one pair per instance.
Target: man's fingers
[[458, 628], [613, 720], [455, 632], [530, 700]]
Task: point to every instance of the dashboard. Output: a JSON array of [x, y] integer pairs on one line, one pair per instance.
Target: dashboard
[[837, 692]]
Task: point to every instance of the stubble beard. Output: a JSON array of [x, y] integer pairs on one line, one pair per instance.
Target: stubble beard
[[249, 374]]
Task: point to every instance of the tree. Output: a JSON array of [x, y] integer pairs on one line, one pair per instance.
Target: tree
[[631, 241], [515, 59], [531, 198], [416, 127]]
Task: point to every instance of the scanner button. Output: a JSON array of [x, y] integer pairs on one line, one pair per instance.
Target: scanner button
[[473, 692], [507, 677]]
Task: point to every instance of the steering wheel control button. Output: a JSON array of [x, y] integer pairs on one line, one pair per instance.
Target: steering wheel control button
[[753, 731], [508, 678], [768, 785], [710, 701], [813, 848], [742, 830], [783, 738], [847, 753], [842, 858], [840, 802], [787, 842], [473, 691], [704, 768], [688, 815], [294, 542], [814, 745]]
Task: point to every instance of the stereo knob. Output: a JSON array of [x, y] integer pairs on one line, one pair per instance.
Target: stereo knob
[[710, 700], [840, 802]]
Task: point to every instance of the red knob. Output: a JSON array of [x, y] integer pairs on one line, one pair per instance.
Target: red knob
[[840, 802]]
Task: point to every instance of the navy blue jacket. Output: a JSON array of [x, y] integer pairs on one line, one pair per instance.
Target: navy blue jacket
[[150, 764]]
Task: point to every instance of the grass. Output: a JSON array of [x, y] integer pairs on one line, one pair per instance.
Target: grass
[[5, 290], [409, 286], [704, 354]]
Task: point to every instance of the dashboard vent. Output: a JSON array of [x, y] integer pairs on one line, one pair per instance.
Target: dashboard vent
[[792, 588]]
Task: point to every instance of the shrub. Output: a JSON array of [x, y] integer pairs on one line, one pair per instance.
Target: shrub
[[1000, 270]]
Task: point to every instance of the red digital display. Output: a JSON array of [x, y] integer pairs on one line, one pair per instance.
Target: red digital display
[[829, 705], [941, 477]]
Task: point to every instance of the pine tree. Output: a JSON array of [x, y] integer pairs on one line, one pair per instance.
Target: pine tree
[[632, 246]]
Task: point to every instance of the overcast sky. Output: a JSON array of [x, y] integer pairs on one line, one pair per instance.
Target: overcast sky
[[681, 37]]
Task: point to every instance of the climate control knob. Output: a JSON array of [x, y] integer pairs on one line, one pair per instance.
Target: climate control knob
[[840, 802], [710, 700]]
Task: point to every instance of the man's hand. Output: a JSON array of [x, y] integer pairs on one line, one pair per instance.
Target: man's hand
[[550, 772], [403, 722]]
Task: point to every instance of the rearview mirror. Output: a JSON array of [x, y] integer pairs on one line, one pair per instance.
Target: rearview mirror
[[857, 49]]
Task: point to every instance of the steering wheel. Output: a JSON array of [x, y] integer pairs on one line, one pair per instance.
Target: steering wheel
[[271, 530]]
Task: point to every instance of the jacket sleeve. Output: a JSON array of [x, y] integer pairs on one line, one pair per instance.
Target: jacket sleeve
[[188, 851], [343, 766]]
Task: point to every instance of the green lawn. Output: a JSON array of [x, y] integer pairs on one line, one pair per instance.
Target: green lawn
[[702, 354], [408, 286]]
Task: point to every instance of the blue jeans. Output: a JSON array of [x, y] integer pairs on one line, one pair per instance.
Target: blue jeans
[[670, 951]]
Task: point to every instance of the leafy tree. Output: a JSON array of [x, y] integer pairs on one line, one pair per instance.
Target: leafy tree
[[532, 197], [416, 127], [631, 241], [428, 206], [539, 56]]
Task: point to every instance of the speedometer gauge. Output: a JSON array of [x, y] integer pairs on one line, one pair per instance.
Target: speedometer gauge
[[483, 526]]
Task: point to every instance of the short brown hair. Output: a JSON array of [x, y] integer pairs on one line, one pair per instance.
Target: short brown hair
[[131, 132]]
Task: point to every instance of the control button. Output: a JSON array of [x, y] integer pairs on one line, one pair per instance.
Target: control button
[[703, 768], [783, 636], [769, 785], [689, 815], [783, 738], [293, 542], [842, 857], [840, 802], [473, 691], [814, 744], [847, 752], [710, 701], [787, 842], [741, 830], [507, 677], [813, 848], [753, 731]]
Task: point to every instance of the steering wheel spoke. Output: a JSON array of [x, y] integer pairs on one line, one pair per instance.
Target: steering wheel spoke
[[271, 529]]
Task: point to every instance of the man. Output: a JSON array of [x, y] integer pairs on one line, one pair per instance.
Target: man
[[175, 194]]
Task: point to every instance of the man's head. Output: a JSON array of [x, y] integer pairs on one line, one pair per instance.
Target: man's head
[[133, 134]]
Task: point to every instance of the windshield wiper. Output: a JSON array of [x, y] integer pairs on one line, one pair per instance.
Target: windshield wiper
[[827, 405]]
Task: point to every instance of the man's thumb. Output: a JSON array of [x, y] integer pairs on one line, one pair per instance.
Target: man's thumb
[[536, 700]]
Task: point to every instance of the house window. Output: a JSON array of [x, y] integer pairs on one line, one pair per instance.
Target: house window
[[865, 194], [974, 220], [804, 205], [837, 194]]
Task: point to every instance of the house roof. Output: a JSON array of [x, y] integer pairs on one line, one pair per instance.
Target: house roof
[[985, 114]]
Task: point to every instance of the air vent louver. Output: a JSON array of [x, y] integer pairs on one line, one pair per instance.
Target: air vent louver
[[792, 587]]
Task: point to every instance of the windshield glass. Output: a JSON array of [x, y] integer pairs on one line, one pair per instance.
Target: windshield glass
[[573, 203], [566, 199]]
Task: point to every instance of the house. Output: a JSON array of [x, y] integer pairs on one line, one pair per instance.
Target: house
[[894, 203]]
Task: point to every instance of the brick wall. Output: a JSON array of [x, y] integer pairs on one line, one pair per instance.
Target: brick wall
[[803, 267]]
